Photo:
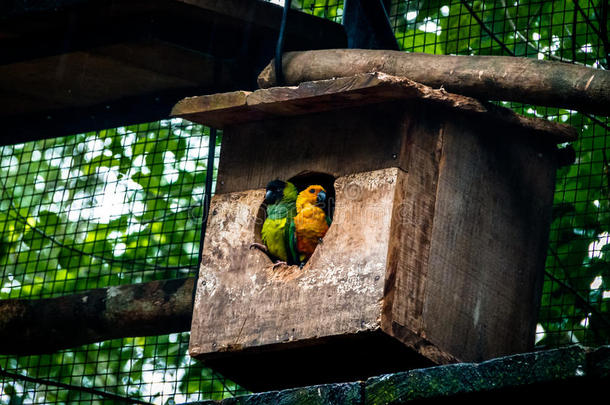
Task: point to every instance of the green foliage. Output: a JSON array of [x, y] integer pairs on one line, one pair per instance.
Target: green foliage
[[99, 209], [118, 204], [329, 9]]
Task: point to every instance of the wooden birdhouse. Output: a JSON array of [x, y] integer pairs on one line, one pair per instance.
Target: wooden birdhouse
[[442, 206]]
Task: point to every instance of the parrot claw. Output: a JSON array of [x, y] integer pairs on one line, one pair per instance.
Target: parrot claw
[[259, 247], [320, 241], [279, 263]]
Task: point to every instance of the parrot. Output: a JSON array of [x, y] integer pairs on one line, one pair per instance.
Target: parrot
[[310, 223], [278, 234]]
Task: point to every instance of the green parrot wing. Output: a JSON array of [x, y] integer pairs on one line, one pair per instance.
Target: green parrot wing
[[273, 236], [291, 241]]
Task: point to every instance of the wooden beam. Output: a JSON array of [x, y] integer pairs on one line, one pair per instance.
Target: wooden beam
[[47, 325], [61, 58], [60, 122], [503, 78], [222, 110]]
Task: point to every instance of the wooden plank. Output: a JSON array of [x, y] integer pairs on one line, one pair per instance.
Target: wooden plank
[[98, 80], [325, 95], [60, 122], [22, 16], [243, 302], [489, 239], [62, 25], [167, 59], [337, 143], [217, 110], [371, 88], [413, 218]]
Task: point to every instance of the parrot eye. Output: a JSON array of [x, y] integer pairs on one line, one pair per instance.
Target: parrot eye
[[311, 190]]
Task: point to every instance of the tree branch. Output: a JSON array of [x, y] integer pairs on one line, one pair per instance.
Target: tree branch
[[40, 381], [47, 325], [506, 78]]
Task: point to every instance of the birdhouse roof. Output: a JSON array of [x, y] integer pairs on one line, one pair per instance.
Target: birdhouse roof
[[234, 108]]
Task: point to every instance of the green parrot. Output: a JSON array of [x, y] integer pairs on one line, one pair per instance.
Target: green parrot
[[278, 233]]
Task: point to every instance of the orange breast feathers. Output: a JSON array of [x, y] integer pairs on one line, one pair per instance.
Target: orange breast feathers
[[310, 222]]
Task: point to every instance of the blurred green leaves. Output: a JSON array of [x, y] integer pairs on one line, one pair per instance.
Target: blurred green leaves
[[117, 206], [120, 204]]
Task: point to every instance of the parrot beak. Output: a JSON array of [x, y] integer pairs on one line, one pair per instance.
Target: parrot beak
[[321, 199]]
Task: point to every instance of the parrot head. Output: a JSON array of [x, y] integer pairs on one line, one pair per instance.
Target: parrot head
[[280, 191], [314, 195]]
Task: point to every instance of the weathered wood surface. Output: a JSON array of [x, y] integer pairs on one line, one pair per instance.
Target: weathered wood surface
[[222, 110], [504, 78], [47, 325], [218, 110], [488, 244], [411, 236], [242, 302], [332, 143]]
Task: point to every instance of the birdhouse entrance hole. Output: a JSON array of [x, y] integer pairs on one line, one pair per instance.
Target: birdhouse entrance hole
[[301, 182]]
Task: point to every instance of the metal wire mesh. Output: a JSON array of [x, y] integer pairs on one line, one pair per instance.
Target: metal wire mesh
[[112, 207], [125, 205]]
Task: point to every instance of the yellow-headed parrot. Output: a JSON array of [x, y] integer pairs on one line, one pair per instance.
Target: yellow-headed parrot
[[310, 223]]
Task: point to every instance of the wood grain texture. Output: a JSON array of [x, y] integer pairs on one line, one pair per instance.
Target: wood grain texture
[[242, 302], [488, 243], [409, 250], [360, 90], [337, 142], [504, 78], [71, 73], [438, 240], [101, 78], [217, 110]]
